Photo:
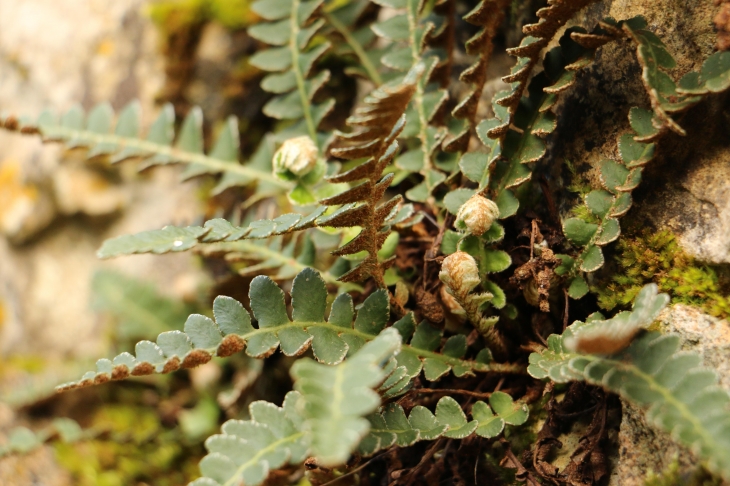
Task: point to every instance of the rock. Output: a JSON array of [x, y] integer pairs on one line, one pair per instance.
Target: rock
[[25, 209], [643, 448], [702, 333], [82, 189], [694, 203]]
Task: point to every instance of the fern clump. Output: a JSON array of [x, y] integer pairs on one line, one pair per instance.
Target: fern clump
[[402, 255]]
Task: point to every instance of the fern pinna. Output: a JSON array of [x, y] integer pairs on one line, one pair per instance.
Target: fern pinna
[[394, 251]]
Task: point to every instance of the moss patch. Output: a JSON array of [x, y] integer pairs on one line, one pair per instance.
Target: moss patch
[[657, 257], [173, 15], [674, 476], [137, 449]]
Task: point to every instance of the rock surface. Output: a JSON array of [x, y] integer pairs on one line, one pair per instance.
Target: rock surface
[[49, 61], [56, 210]]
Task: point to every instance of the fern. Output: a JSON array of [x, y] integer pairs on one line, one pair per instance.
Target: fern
[[293, 24], [323, 417], [123, 141], [637, 148], [330, 340], [377, 124], [174, 239], [22, 440], [682, 397], [343, 18], [337, 425], [391, 426], [668, 97], [362, 391], [410, 37], [538, 35]]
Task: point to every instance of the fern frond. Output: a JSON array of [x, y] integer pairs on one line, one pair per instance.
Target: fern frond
[[290, 28], [331, 340], [538, 35], [248, 449], [607, 204], [123, 141], [637, 147], [488, 16], [376, 125], [666, 96], [358, 42], [218, 234], [532, 119], [22, 440], [653, 57], [682, 397], [391, 427], [324, 417], [337, 425], [412, 40]]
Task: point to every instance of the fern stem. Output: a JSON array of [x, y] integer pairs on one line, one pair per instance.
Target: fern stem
[[356, 47], [421, 353], [151, 148], [418, 96], [298, 75]]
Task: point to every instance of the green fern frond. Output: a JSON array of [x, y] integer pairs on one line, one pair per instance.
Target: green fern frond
[[513, 150], [654, 58], [682, 397], [331, 340], [122, 141], [22, 440], [337, 425], [291, 28], [343, 17], [248, 449], [411, 37], [637, 147], [324, 418], [391, 427], [488, 16], [220, 235]]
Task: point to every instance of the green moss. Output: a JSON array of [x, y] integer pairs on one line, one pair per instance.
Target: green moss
[[673, 477], [577, 184], [135, 448], [656, 257], [174, 15], [581, 187]]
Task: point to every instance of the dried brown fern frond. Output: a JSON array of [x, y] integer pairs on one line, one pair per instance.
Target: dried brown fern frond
[[377, 124]]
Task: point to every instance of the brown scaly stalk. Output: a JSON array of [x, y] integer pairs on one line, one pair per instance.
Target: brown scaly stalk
[[377, 124]]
